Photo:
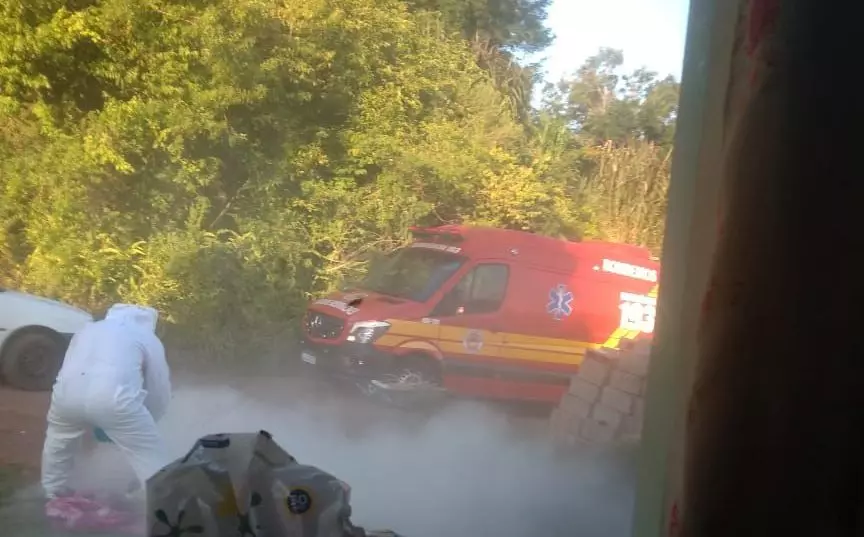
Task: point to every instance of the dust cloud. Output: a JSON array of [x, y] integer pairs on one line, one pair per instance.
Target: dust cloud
[[467, 470]]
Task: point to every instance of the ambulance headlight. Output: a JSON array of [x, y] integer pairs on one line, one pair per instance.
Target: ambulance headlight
[[368, 331]]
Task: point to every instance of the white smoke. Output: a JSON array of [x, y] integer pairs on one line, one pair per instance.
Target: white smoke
[[465, 471]]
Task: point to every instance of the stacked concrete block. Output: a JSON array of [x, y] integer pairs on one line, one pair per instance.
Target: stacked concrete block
[[606, 400]]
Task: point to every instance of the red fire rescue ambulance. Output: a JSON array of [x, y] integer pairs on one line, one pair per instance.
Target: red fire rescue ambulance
[[485, 312]]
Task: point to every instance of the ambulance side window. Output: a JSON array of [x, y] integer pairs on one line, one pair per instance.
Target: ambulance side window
[[480, 291]]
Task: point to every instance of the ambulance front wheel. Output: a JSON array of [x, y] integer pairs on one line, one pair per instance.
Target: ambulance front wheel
[[418, 369]]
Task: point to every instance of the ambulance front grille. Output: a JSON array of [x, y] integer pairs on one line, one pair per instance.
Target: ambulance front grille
[[323, 326]]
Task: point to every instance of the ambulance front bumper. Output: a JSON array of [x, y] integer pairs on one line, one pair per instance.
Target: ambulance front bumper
[[350, 361]]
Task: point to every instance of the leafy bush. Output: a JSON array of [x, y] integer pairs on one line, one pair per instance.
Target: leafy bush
[[226, 160]]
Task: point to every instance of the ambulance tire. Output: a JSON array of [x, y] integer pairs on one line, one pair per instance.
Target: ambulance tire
[[421, 366]]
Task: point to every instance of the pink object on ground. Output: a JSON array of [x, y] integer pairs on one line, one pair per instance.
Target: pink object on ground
[[81, 513]]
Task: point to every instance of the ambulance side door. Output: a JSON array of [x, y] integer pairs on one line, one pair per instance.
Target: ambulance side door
[[469, 317]]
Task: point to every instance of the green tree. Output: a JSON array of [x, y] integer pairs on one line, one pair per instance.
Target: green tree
[[513, 25], [225, 160], [500, 31], [601, 104], [232, 158]]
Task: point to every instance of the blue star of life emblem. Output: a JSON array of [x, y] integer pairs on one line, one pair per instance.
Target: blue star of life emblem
[[560, 302]]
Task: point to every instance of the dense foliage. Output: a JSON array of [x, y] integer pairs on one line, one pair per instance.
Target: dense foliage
[[224, 160]]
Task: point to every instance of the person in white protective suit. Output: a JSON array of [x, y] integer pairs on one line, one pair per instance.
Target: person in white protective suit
[[114, 377]]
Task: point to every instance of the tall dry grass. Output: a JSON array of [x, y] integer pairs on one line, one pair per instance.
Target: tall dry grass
[[626, 190]]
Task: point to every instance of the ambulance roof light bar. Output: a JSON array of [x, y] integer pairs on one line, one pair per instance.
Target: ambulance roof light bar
[[436, 234]]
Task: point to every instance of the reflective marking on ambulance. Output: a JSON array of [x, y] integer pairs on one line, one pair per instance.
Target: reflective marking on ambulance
[[631, 271], [638, 312], [434, 246]]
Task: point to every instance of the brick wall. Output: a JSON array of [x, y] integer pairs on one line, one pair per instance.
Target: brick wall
[[605, 403]]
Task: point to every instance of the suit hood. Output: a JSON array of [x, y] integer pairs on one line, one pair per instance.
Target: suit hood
[[142, 317]]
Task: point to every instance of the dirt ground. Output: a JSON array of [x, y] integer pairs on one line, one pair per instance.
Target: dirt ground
[[22, 431], [22, 427]]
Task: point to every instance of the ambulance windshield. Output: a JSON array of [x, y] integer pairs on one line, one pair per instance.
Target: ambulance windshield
[[413, 273]]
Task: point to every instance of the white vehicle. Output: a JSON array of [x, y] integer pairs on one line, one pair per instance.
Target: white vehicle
[[34, 335]]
